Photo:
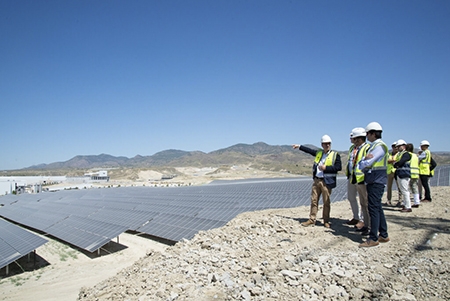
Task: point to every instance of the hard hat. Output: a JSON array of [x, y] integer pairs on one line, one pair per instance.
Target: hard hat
[[401, 142], [424, 142], [325, 139], [374, 126], [394, 143], [358, 132]]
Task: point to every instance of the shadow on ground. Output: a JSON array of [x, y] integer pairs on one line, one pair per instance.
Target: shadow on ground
[[25, 264], [432, 227]]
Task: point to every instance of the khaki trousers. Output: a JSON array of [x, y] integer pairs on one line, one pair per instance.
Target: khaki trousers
[[390, 181], [319, 188]]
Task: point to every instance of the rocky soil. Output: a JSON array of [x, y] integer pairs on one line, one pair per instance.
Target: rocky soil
[[268, 255]]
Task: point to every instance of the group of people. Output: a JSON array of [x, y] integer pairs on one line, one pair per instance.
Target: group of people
[[421, 168], [369, 169]]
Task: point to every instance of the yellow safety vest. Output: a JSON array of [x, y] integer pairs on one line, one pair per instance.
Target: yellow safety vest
[[424, 165], [377, 173], [359, 174], [329, 161], [405, 170], [390, 166], [414, 164], [381, 164]]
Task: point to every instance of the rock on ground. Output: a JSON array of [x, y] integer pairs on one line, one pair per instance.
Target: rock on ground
[[268, 255]]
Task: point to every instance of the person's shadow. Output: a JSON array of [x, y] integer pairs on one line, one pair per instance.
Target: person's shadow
[[338, 228], [434, 226]]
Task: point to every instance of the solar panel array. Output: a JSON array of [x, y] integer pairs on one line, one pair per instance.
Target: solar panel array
[[441, 176], [16, 242], [89, 218]]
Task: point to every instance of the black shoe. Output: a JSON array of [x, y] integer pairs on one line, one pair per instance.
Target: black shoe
[[361, 229], [365, 232], [352, 222]]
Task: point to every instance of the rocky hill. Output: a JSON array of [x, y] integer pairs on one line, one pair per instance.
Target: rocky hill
[[259, 156], [236, 154], [267, 255]]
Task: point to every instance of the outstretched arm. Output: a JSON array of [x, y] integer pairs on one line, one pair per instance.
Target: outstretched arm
[[305, 149]]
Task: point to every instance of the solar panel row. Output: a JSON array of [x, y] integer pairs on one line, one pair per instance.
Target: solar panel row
[[441, 176], [16, 242], [90, 218]]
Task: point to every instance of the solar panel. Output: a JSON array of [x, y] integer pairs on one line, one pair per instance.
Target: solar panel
[[7, 253], [16, 242], [180, 227], [85, 233], [88, 218], [441, 176], [131, 219]]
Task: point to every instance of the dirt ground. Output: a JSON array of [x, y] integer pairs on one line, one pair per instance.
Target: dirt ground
[[63, 270], [60, 270]]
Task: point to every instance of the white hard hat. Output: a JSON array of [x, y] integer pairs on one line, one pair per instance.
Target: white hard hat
[[373, 126], [401, 142], [325, 139], [394, 143], [358, 132], [424, 142]]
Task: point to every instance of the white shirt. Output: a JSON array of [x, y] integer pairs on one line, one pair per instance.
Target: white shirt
[[319, 173]]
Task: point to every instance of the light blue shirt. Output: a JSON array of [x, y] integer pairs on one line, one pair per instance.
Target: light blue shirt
[[378, 153], [422, 155]]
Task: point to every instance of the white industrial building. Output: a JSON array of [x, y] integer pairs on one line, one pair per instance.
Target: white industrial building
[[9, 185]]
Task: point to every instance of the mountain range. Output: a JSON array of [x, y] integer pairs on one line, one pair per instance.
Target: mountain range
[[258, 155]]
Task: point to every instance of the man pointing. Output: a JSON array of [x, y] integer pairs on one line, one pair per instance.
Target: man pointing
[[327, 163]]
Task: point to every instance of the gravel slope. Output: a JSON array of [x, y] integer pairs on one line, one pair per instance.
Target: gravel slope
[[268, 255]]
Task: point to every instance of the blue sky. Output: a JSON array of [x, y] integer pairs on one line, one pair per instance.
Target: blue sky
[[138, 77]]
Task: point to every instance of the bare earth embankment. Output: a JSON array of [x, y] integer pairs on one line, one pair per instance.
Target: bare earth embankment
[[268, 255], [264, 255]]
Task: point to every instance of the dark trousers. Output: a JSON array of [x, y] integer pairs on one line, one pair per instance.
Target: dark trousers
[[425, 180], [378, 223]]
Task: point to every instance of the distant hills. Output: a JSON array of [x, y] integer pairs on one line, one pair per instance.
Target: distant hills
[[259, 155]]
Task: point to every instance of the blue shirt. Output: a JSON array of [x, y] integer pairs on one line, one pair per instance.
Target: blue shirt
[[377, 152]]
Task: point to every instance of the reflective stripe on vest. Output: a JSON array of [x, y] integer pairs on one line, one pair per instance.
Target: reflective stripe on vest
[[329, 161], [405, 170], [359, 174], [424, 165], [414, 164], [390, 166], [381, 164]]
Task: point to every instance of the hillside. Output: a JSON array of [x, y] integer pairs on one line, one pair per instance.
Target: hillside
[[267, 255], [260, 156]]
